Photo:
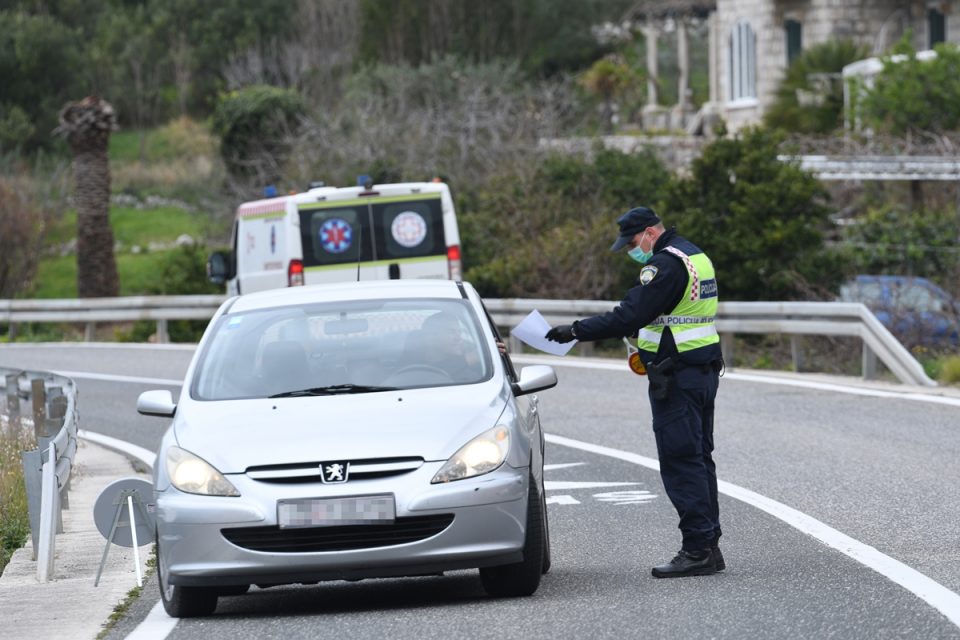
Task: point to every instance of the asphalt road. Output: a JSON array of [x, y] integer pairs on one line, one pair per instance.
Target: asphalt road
[[883, 471]]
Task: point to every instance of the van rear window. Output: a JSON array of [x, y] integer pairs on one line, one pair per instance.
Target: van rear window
[[408, 229], [384, 229]]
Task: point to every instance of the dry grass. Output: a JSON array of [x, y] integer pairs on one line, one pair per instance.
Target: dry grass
[[950, 370], [14, 521]]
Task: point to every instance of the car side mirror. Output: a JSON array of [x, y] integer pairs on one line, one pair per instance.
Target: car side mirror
[[156, 403], [219, 267], [535, 378]]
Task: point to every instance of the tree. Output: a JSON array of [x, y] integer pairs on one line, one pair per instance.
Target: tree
[[21, 229], [761, 221], [87, 125], [39, 68], [809, 99], [255, 125], [607, 79], [916, 95]]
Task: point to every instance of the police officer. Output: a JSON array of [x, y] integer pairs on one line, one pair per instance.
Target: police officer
[[671, 309]]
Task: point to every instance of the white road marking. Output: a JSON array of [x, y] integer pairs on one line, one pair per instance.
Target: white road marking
[[930, 591], [155, 626], [145, 456], [551, 467], [625, 497], [566, 485], [562, 500]]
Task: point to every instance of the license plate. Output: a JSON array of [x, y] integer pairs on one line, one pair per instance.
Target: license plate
[[330, 512]]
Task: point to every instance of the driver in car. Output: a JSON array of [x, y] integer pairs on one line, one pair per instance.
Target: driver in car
[[441, 346]]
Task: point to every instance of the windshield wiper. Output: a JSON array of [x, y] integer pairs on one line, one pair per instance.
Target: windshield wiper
[[333, 389]]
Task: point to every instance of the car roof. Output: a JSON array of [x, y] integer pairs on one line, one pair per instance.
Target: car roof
[[348, 291]]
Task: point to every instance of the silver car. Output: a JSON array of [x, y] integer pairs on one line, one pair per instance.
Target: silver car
[[362, 430]]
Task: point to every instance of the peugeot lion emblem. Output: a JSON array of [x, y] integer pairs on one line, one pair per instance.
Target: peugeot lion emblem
[[334, 472]]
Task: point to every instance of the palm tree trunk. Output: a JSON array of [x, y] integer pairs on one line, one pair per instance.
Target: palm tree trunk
[[87, 125]]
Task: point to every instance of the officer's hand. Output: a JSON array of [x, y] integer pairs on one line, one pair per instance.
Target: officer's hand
[[562, 333]]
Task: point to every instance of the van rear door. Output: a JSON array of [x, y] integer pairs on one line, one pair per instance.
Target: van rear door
[[399, 237]]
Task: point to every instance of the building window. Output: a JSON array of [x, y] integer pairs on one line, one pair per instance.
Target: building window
[[794, 33], [742, 59], [936, 27]]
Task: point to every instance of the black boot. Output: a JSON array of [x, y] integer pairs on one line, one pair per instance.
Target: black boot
[[687, 563], [718, 559]]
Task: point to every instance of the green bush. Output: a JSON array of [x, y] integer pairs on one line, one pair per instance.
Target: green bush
[[761, 221], [182, 271], [895, 240], [913, 94], [545, 230], [809, 99], [254, 125]]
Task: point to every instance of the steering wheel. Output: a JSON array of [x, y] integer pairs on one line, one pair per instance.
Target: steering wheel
[[422, 367]]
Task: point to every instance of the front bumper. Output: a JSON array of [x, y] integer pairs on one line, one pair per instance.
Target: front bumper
[[487, 529]]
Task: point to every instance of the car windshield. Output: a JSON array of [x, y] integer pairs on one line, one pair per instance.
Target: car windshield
[[342, 348]]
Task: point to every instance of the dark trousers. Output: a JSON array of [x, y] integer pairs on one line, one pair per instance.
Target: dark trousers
[[683, 426]]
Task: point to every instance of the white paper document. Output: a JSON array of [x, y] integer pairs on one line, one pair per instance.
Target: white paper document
[[532, 330]]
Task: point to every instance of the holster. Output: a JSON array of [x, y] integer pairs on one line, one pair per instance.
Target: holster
[[661, 378]]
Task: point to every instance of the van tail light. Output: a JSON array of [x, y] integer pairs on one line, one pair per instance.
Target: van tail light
[[295, 273], [453, 262]]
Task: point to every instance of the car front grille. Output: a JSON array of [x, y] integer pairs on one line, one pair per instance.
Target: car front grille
[[301, 472], [366, 536]]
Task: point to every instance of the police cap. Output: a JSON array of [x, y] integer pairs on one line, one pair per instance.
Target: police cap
[[633, 222]]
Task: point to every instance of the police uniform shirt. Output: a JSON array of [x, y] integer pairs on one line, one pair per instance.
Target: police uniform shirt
[[657, 291]]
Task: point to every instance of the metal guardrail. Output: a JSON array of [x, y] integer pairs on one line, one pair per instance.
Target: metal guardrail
[[90, 311], [47, 468], [791, 318]]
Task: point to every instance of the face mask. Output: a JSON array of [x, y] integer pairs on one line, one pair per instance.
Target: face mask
[[641, 256]]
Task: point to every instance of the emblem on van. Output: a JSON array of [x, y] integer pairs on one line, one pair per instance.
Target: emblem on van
[[334, 472], [336, 235]]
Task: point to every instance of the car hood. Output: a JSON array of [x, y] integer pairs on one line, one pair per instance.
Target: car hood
[[427, 423]]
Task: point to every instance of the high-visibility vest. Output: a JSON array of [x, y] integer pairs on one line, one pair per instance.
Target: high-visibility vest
[[692, 321]]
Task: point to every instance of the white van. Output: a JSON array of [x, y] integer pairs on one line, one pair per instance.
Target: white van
[[331, 234]]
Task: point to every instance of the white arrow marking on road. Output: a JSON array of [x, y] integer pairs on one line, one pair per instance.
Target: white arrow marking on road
[[551, 467], [557, 485], [625, 497], [562, 500]]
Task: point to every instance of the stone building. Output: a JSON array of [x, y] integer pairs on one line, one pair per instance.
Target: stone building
[[751, 42]]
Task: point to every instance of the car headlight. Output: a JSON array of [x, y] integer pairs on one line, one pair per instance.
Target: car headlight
[[481, 455], [190, 474]]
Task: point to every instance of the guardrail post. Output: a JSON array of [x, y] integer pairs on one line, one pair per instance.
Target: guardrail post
[[32, 478], [38, 395], [163, 336], [869, 360], [13, 395], [89, 331], [514, 345], [796, 353], [726, 350], [50, 497]]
